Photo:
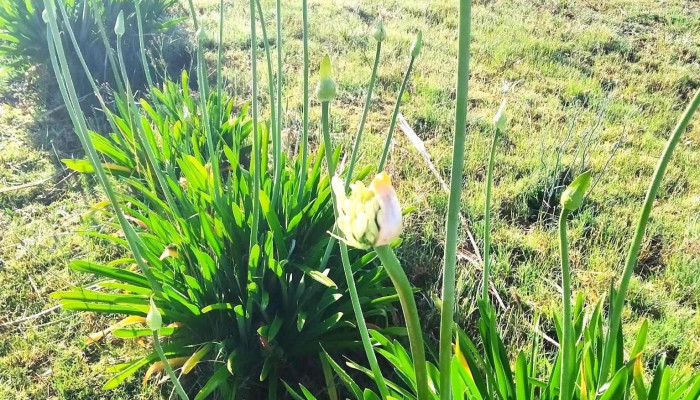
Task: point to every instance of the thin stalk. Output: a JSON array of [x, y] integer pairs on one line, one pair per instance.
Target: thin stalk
[[108, 47], [305, 125], [633, 253], [410, 313], [168, 368], [70, 97], [195, 22], [278, 156], [142, 46], [448, 278], [566, 344], [276, 145], [487, 220], [347, 268], [397, 106], [256, 140], [219, 56], [365, 111]]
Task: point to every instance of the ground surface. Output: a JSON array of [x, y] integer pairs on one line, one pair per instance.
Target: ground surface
[[584, 80]]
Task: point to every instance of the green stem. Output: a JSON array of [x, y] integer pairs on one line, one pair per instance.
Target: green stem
[[168, 369], [108, 48], [276, 145], [305, 125], [633, 253], [566, 344], [142, 46], [487, 220], [410, 313], [219, 56], [365, 111], [256, 139], [278, 156], [347, 268], [361, 325], [450, 256], [397, 106]]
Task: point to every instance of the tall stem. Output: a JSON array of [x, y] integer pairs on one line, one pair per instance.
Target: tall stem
[[142, 46], [448, 279], [566, 344], [365, 111], [219, 56], [487, 220], [347, 268], [397, 106], [256, 140], [278, 130], [168, 369], [633, 253], [410, 313], [305, 126]]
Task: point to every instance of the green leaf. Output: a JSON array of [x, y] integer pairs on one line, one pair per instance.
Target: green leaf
[[219, 377], [521, 378]]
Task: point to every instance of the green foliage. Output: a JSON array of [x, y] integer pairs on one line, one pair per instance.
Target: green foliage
[[259, 309], [23, 33]]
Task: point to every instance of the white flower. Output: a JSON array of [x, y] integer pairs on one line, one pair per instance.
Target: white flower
[[370, 216]]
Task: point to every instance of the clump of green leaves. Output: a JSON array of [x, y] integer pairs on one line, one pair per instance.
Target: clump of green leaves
[[23, 39]]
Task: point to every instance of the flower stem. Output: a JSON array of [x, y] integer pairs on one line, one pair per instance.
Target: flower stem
[[450, 256], [305, 124], [566, 344], [487, 220], [168, 369], [256, 140], [278, 156], [360, 128], [397, 106], [410, 313], [633, 253]]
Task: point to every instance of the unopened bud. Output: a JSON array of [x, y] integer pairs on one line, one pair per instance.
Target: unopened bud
[[379, 33], [154, 319], [325, 91], [119, 25], [417, 44], [572, 198]]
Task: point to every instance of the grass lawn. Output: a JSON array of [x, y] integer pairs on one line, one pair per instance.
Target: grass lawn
[[589, 84]]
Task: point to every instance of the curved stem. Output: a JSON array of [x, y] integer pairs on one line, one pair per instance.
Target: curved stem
[[450, 256], [487, 220], [633, 253], [410, 313], [168, 369], [397, 106], [361, 127], [566, 344], [305, 126]]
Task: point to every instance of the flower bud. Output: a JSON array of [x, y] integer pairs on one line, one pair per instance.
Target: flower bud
[[154, 319], [417, 44], [45, 15], [119, 25], [499, 120], [572, 198], [371, 216], [325, 91], [379, 33]]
